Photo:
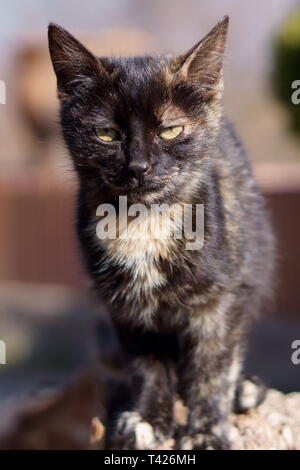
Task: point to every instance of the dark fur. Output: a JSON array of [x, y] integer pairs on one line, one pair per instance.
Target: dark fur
[[193, 342]]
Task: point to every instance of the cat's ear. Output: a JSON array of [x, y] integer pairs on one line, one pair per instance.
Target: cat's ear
[[203, 63], [72, 62]]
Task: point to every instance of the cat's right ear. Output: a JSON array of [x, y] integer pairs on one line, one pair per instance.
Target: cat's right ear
[[72, 62]]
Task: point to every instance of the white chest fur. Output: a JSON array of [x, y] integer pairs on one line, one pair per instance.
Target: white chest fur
[[137, 248]]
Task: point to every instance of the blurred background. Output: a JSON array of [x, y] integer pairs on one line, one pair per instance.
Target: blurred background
[[47, 317]]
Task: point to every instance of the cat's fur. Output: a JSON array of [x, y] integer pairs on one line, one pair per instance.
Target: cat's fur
[[180, 315]]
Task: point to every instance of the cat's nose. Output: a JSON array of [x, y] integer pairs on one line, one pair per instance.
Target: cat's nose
[[139, 169]]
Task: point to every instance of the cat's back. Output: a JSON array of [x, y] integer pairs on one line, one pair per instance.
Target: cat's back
[[248, 222]]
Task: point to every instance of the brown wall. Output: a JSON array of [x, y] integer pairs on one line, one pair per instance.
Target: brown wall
[[37, 242], [285, 207]]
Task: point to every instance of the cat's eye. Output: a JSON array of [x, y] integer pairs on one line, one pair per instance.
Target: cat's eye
[[169, 133], [107, 134]]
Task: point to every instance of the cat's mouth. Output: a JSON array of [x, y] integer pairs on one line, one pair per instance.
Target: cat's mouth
[[136, 187]]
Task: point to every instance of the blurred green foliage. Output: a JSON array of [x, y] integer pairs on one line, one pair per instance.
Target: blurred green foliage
[[287, 66]]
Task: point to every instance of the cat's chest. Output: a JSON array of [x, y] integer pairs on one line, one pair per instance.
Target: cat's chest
[[138, 273], [139, 253]]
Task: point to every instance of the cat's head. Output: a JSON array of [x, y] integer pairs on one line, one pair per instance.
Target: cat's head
[[140, 126]]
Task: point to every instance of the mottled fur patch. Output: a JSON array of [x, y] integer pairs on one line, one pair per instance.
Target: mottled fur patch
[[180, 315]]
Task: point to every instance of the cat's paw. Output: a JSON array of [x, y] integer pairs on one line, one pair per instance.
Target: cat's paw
[[249, 394], [134, 433], [201, 441]]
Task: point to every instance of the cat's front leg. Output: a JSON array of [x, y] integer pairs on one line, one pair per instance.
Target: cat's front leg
[[208, 379], [150, 423]]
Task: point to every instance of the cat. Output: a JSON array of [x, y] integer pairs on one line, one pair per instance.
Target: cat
[[153, 129]]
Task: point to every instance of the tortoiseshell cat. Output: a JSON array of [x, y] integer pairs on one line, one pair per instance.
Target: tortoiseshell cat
[[152, 129]]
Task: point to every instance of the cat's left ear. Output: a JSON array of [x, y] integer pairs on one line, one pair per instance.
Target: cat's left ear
[[204, 62], [72, 62]]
